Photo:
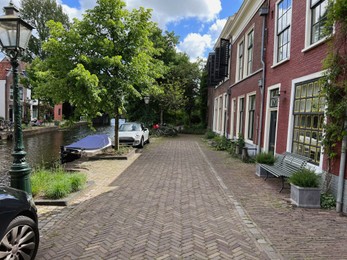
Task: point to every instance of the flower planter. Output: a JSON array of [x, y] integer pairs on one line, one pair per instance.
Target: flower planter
[[261, 172], [305, 197]]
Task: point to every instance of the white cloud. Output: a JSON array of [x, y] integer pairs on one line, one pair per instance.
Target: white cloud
[[167, 11], [217, 28], [195, 45]]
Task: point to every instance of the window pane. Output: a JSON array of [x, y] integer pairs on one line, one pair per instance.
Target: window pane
[[308, 120]]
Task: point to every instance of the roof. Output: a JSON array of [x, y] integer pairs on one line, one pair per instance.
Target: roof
[[5, 67]]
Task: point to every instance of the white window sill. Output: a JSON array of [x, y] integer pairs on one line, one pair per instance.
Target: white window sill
[[314, 45], [279, 63]]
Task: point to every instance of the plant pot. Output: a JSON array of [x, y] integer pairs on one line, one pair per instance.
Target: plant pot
[[305, 197], [261, 172]]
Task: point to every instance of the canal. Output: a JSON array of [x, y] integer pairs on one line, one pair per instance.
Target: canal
[[43, 149]]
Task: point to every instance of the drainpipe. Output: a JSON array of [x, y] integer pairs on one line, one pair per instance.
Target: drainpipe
[[261, 83], [340, 186]]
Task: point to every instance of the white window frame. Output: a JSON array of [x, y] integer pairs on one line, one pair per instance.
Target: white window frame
[[249, 70], [238, 116], [220, 114], [246, 110], [276, 38], [312, 76], [224, 111], [267, 117], [233, 109], [215, 114], [240, 66], [308, 29]]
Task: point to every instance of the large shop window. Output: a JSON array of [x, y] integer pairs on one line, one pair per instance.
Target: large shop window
[[284, 17], [251, 110], [308, 120], [319, 17]]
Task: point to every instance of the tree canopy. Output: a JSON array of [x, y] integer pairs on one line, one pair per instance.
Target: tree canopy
[[100, 60], [38, 13]]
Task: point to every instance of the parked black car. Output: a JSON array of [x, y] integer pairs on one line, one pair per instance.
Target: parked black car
[[19, 233]]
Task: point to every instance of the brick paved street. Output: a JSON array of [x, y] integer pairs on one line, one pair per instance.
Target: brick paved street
[[181, 200]]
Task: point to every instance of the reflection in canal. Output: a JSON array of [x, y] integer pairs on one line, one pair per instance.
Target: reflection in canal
[[43, 149]]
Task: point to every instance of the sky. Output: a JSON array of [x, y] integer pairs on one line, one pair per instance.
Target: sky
[[198, 23]]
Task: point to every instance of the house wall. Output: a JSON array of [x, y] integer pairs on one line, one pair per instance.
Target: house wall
[[301, 63], [58, 112], [249, 84]]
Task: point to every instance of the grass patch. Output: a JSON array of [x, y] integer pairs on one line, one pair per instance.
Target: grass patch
[[56, 183]]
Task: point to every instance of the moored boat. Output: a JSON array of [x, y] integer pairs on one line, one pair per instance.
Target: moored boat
[[86, 147]]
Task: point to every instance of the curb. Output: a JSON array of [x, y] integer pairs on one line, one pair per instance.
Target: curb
[[65, 201]]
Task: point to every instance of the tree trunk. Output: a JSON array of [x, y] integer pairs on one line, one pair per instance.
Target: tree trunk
[[116, 126]]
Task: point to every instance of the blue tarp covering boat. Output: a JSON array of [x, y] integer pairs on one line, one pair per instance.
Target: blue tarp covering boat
[[91, 142], [88, 146]]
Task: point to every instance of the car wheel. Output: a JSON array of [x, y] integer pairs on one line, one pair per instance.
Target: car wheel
[[21, 240], [141, 143], [148, 140]]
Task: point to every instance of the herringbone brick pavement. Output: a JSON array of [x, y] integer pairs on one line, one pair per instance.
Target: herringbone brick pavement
[[182, 200], [168, 204]]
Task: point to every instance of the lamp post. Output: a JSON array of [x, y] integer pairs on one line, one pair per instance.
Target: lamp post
[[146, 99], [14, 37]]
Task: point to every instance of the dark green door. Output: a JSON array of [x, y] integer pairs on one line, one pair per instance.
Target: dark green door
[[272, 135]]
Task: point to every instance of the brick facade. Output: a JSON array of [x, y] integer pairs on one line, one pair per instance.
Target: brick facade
[[284, 72]]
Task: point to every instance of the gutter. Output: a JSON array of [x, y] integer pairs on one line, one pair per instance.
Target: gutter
[[261, 83], [340, 186]]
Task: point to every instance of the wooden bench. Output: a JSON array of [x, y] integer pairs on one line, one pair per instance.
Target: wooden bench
[[286, 164]]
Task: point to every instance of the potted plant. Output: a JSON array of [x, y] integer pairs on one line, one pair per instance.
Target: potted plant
[[263, 158], [304, 188]]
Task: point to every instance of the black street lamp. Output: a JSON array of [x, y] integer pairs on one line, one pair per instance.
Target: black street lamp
[[146, 99], [14, 37]]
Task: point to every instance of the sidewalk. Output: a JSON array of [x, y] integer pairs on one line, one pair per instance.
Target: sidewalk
[[181, 200]]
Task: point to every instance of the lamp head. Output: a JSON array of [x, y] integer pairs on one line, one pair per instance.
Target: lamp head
[[14, 32]]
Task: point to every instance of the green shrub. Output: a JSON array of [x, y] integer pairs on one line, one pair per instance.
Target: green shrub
[[327, 201], [232, 149], [305, 178], [240, 141], [58, 190], [77, 181], [209, 134], [265, 158], [221, 143], [55, 183]]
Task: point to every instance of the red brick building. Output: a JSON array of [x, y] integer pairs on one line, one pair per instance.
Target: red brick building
[[272, 93]]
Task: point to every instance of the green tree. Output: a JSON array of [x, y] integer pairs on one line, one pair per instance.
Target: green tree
[[98, 61], [38, 13]]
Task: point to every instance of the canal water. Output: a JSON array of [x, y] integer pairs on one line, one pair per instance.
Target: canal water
[[44, 149]]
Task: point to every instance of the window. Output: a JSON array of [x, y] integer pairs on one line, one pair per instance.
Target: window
[[241, 110], [318, 19], [251, 110], [20, 93], [308, 119], [250, 42], [284, 16], [220, 113], [240, 61]]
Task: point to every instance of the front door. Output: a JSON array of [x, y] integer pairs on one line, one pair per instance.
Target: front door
[[272, 134]]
